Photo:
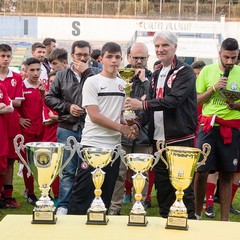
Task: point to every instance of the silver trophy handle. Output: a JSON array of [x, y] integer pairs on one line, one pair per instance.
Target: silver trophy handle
[[117, 152], [161, 148], [123, 158], [18, 149], [72, 150], [79, 152], [156, 159]]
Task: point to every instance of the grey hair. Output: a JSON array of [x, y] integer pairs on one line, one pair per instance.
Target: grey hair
[[167, 35]]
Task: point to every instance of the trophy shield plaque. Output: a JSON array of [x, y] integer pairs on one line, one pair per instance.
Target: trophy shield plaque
[[139, 163], [181, 163], [44, 161], [229, 96], [127, 74], [98, 158]]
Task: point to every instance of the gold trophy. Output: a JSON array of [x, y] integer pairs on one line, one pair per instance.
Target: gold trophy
[[127, 74], [181, 164], [98, 158], [44, 161], [139, 163]]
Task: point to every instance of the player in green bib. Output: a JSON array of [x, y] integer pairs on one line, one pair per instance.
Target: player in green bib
[[219, 125]]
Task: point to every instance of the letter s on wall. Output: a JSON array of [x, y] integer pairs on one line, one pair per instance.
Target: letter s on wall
[[76, 28]]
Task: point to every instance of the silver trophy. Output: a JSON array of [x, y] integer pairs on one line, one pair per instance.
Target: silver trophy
[[44, 161]]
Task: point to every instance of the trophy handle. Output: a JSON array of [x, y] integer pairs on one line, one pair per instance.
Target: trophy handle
[[79, 152], [123, 157], [72, 150], [156, 159], [206, 149], [18, 149], [161, 148], [117, 152]]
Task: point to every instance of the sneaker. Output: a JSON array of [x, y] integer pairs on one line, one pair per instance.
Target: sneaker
[[127, 198], [233, 210], [62, 211], [113, 212], [32, 199], [12, 203], [209, 211], [147, 204]]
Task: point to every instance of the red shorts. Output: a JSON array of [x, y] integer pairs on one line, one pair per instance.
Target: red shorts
[[3, 164]]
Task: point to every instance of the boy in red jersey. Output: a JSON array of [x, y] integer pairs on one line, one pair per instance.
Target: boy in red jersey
[[5, 107], [13, 83], [31, 116]]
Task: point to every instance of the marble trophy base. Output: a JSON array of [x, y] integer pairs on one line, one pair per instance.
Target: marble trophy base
[[44, 216], [179, 223], [97, 217], [137, 220]]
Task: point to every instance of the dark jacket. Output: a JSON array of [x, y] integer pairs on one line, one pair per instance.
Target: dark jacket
[[139, 89], [64, 91], [178, 103]]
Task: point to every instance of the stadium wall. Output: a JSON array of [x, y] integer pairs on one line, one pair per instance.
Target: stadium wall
[[97, 29]]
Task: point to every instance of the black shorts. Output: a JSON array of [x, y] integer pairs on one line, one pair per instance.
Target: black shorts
[[223, 157]]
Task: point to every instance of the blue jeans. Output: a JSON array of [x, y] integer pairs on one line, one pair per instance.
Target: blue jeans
[[69, 172]]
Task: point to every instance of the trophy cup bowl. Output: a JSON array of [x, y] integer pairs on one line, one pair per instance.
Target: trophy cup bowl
[[127, 74], [139, 163], [181, 163], [44, 161], [98, 158]]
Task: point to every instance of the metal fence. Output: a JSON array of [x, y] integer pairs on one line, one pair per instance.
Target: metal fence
[[148, 9]]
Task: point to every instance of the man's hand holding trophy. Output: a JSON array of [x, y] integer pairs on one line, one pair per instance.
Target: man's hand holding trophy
[[129, 116]]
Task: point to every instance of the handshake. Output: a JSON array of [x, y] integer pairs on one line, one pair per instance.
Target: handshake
[[130, 131]]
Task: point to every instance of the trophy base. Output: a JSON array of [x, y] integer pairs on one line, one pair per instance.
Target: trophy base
[[44, 217], [137, 220], [179, 223], [97, 218]]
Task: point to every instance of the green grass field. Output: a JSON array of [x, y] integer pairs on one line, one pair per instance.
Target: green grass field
[[153, 211]]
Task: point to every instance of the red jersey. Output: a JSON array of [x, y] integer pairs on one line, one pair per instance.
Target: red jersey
[[4, 136], [31, 108], [50, 131], [13, 84]]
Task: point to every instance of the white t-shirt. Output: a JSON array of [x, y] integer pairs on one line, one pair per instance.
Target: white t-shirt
[[158, 115], [109, 95]]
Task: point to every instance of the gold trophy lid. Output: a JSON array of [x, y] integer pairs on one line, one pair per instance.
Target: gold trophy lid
[[44, 144], [183, 149], [126, 73]]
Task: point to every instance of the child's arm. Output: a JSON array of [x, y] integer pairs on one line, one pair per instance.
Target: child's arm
[[98, 118], [2, 105], [6, 109], [50, 121]]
